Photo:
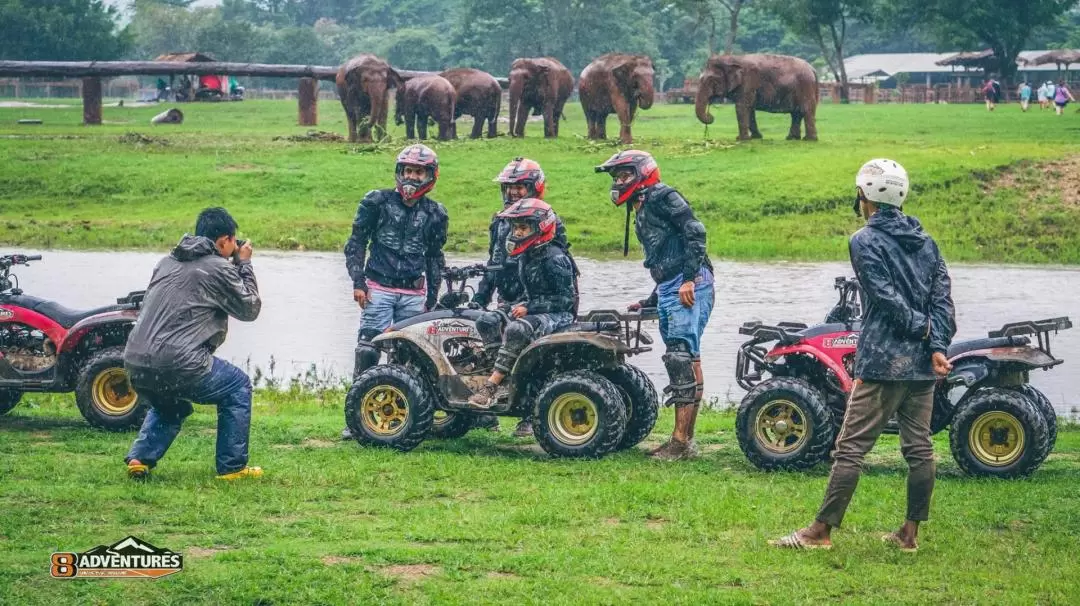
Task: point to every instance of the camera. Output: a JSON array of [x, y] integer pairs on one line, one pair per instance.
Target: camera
[[236, 253]]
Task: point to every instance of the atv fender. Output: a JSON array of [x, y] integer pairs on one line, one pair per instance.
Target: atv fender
[[968, 372], [79, 331], [386, 339], [562, 352], [817, 354], [1032, 357]]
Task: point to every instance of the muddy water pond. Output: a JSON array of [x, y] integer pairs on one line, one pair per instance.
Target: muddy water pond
[[309, 317]]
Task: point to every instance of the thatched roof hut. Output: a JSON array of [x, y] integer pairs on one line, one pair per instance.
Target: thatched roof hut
[[984, 60], [1058, 57], [186, 57]]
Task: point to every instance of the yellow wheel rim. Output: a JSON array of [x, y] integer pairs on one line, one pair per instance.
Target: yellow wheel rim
[[113, 393], [573, 418], [996, 438], [442, 418], [780, 427], [384, 410]]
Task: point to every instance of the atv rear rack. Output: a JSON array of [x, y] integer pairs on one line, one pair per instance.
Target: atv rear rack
[[785, 332], [614, 321], [1040, 328]]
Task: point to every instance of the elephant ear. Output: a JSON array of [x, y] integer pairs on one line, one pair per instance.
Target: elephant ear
[[733, 73], [624, 72]]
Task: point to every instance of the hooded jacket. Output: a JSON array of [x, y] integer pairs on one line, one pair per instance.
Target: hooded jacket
[[185, 315], [406, 243], [907, 293], [505, 279], [673, 238]]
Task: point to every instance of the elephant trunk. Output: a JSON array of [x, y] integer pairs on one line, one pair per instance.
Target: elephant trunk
[[646, 95], [399, 105], [701, 104], [517, 86]]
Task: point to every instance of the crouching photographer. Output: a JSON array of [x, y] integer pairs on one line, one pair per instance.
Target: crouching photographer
[[169, 356]]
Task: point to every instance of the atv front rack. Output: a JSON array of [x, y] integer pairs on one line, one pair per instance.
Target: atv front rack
[[626, 324], [1040, 328], [785, 332]]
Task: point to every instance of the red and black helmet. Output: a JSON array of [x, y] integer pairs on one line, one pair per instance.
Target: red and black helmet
[[540, 217], [522, 171], [416, 155], [643, 165]]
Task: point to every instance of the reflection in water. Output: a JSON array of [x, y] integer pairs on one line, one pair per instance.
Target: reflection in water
[[309, 316]]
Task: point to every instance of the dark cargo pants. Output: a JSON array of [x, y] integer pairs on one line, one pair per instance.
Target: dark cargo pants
[[869, 408]]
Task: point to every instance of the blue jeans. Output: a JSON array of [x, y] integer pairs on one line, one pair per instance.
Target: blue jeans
[[678, 323], [226, 387], [384, 308]]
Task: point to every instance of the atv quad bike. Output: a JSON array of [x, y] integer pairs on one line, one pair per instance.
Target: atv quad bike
[[46, 347], [1001, 426], [584, 399]]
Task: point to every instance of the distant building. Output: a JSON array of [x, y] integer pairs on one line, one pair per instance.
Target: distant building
[[890, 69]]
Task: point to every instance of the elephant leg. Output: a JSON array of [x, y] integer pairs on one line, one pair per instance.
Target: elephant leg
[[446, 129], [492, 126], [742, 114], [754, 132], [625, 114], [477, 127], [558, 113], [350, 117], [549, 122], [410, 125], [796, 121], [522, 116], [811, 123], [421, 125]]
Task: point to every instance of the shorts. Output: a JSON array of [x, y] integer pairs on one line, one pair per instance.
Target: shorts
[[686, 324], [386, 307]]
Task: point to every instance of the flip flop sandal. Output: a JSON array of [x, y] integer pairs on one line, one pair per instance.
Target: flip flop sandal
[[794, 541], [895, 541]]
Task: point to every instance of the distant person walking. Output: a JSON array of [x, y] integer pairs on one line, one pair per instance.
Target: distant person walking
[[1062, 96], [1044, 96], [990, 94], [1025, 96]]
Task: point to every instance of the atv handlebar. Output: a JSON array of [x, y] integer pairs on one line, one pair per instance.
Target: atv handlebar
[[7, 261], [457, 274]]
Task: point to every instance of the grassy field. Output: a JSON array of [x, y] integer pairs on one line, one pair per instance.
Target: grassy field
[[66, 185], [486, 519]]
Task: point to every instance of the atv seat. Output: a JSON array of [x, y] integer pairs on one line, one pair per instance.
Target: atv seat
[[590, 327], [70, 317], [964, 347], [826, 329]]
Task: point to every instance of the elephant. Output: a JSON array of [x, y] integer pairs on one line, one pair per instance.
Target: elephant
[[541, 85], [363, 85], [423, 97], [618, 84], [479, 95], [773, 83]]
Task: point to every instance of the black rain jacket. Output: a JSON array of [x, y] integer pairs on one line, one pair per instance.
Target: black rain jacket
[[673, 238], [547, 274], [907, 294], [405, 243]]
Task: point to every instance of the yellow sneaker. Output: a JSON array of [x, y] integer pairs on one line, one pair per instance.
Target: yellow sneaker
[[247, 472], [137, 471]]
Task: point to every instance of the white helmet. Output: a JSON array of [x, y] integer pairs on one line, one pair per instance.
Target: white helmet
[[883, 181]]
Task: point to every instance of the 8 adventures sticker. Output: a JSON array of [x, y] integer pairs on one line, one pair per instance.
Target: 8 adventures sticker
[[128, 558]]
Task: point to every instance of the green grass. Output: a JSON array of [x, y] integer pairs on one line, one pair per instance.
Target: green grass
[[66, 185], [485, 519]]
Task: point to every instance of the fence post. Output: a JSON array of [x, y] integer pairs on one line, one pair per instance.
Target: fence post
[[309, 101], [91, 99]]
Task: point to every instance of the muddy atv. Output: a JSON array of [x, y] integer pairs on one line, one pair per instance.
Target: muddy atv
[[798, 378], [46, 347], [584, 398]]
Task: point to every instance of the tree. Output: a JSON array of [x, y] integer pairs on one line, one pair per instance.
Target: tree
[[42, 30], [1003, 25], [825, 22], [708, 12]]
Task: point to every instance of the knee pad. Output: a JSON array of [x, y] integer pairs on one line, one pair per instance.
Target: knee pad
[[490, 325], [366, 356], [519, 331], [519, 334], [682, 387]]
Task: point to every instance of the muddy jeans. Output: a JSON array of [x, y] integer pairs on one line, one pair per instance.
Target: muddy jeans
[[870, 406]]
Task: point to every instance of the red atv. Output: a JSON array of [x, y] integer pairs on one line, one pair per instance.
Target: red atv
[[798, 387], [46, 347]]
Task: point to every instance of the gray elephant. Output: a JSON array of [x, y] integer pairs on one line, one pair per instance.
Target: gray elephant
[[615, 84], [773, 83]]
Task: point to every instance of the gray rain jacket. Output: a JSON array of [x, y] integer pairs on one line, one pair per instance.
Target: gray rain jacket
[[908, 294], [185, 315]]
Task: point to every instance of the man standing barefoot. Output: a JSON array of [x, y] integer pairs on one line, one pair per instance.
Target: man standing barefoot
[[907, 328]]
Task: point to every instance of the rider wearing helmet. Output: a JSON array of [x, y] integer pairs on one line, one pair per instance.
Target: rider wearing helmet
[[907, 327], [550, 290], [394, 255], [674, 243], [521, 178]]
